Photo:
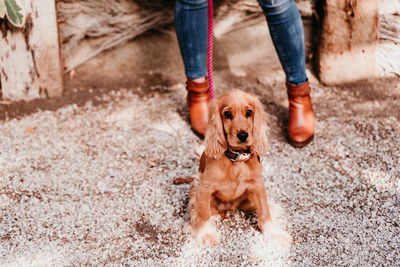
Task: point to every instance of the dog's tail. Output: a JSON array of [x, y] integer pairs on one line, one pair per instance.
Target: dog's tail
[[183, 180]]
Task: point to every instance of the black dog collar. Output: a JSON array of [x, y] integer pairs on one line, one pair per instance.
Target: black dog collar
[[238, 155]]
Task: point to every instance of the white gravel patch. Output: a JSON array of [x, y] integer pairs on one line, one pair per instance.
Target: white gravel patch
[[92, 185]]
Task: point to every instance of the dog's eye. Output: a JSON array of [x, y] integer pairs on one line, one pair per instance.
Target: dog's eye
[[228, 115], [249, 113]]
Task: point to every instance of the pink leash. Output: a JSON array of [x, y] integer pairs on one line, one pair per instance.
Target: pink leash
[[210, 49]]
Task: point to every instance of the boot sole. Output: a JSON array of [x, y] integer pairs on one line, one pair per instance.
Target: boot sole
[[199, 135], [301, 144]]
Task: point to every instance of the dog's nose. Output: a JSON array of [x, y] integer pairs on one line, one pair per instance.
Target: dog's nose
[[242, 136]]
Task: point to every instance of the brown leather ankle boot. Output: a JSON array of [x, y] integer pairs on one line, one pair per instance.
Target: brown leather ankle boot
[[301, 115], [198, 99]]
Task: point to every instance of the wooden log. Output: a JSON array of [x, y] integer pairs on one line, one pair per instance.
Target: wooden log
[[30, 57], [349, 37], [89, 27]]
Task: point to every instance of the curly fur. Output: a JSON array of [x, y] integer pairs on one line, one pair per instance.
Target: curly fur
[[227, 185]]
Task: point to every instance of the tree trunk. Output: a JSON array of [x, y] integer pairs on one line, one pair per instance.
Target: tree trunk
[[349, 37], [30, 57]]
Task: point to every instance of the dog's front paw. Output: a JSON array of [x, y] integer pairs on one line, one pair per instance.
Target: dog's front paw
[[207, 235], [273, 233]]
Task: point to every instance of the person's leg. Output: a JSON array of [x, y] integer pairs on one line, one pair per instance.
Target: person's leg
[[286, 29], [191, 20], [191, 29]]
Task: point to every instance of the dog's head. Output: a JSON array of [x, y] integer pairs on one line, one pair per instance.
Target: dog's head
[[236, 119]]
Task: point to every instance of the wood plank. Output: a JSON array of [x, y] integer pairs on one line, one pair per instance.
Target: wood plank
[[30, 57], [349, 37]]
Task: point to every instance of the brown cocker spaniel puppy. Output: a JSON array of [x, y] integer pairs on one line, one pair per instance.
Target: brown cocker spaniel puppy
[[230, 168]]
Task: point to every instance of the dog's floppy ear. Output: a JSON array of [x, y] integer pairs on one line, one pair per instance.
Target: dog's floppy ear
[[214, 140], [260, 138]]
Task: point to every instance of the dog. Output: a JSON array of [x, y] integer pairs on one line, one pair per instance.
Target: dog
[[230, 171]]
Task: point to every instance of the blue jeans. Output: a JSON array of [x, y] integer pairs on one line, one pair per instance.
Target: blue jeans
[[285, 26]]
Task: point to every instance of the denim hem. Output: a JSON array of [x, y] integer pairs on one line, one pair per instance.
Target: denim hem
[[195, 75]]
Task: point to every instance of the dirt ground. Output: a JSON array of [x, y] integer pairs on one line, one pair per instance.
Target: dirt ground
[[86, 179]]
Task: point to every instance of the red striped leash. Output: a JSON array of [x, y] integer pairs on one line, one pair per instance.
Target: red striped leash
[[210, 49]]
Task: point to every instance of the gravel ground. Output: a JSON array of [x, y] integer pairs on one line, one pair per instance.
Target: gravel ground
[[92, 184]]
